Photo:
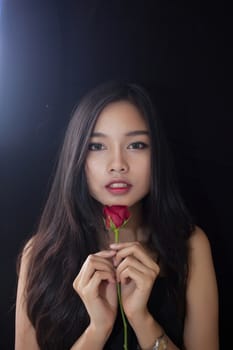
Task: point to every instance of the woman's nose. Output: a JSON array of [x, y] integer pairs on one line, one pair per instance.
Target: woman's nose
[[118, 163]]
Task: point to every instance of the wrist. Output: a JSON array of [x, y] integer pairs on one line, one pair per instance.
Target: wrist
[[98, 332], [149, 333], [137, 316], [92, 338], [159, 344], [138, 319]]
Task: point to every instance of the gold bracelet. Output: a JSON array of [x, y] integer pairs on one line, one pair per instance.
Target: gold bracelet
[[160, 343]]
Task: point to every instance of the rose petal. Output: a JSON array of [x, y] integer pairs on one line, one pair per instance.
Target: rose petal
[[118, 214]]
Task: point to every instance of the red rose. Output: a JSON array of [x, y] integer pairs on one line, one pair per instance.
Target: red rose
[[116, 214]]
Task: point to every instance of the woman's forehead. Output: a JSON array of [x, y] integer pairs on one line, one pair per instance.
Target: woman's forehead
[[121, 115]]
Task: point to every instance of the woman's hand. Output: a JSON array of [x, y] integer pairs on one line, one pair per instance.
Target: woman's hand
[[96, 286], [137, 271]]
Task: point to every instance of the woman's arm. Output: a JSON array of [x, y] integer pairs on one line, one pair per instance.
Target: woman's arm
[[92, 338], [201, 323], [25, 337], [96, 286]]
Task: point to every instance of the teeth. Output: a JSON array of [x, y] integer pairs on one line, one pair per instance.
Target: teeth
[[118, 185]]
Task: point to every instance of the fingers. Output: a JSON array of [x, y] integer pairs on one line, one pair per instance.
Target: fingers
[[131, 268], [134, 262], [98, 266], [136, 250], [130, 263], [130, 273], [98, 277]]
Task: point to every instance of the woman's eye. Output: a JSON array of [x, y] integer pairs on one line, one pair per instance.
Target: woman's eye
[[95, 147], [138, 145]]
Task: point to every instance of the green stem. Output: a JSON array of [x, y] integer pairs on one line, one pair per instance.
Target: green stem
[[125, 347], [116, 232], [123, 317]]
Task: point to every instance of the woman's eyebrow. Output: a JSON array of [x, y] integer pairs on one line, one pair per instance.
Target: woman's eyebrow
[[130, 133], [137, 132]]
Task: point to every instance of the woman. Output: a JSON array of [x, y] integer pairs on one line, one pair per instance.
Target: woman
[[115, 153]]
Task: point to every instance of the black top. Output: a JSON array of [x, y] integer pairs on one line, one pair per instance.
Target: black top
[[164, 309]]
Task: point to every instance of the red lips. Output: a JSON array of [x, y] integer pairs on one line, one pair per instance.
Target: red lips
[[118, 186]]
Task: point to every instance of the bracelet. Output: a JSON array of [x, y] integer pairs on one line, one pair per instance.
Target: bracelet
[[160, 343]]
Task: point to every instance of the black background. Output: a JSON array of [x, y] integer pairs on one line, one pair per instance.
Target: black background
[[51, 52]]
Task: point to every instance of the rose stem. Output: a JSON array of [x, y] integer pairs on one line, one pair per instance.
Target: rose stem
[[116, 231]]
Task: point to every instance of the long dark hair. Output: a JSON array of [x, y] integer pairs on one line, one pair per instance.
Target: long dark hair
[[71, 220]]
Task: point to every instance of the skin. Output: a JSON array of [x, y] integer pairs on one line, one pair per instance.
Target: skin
[[119, 149], [113, 155]]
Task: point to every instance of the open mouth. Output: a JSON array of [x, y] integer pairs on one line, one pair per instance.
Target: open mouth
[[118, 187]]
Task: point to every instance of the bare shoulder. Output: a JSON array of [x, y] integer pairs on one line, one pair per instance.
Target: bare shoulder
[[198, 237], [28, 246], [201, 324], [24, 332], [26, 253], [199, 243], [24, 261], [200, 252]]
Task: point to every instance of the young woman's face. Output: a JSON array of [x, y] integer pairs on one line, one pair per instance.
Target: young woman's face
[[118, 161]]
